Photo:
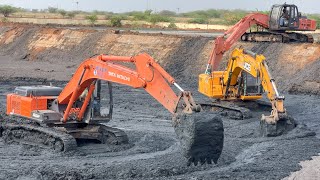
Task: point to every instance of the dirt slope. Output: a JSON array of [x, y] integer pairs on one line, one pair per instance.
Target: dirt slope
[[58, 51]]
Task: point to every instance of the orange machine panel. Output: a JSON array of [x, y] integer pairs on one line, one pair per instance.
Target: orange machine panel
[[23, 106], [307, 25]]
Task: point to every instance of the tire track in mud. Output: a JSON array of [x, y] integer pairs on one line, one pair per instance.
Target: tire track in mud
[[131, 154]]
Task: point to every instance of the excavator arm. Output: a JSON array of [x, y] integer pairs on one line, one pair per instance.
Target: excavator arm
[[148, 75], [255, 65], [269, 86]]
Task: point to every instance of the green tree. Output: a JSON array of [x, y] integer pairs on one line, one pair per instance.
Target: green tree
[[35, 10], [92, 18], [52, 10], [7, 10], [155, 18], [232, 18], [138, 15], [200, 20], [116, 21], [167, 13], [71, 14], [317, 18], [148, 12], [211, 13], [62, 12], [172, 26]]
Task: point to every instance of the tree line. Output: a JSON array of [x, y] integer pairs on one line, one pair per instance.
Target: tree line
[[210, 16]]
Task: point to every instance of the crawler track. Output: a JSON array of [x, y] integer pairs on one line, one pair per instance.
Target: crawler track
[[38, 136], [228, 109], [277, 37], [114, 135]]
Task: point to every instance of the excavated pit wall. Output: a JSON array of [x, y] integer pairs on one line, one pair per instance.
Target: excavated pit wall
[[54, 53]]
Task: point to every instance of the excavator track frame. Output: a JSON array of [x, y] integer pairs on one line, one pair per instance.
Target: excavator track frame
[[60, 139], [288, 37], [104, 134], [48, 138], [228, 109]]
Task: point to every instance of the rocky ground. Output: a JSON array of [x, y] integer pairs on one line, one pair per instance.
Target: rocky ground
[[42, 55]]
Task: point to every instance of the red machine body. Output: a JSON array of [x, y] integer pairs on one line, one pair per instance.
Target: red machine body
[[275, 31]]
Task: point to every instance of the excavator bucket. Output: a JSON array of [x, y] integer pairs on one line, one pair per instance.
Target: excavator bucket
[[275, 125], [201, 136]]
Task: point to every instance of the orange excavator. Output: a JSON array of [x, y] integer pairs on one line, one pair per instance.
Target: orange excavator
[[282, 18], [54, 118]]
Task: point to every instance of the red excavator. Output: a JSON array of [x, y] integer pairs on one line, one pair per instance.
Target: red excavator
[[54, 118], [282, 18]]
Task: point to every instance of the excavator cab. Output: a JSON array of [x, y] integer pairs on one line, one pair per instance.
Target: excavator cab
[[284, 17]]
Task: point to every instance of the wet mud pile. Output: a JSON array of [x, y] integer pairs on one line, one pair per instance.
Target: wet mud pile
[[42, 55]]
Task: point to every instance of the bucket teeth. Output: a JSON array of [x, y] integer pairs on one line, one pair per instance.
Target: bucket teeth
[[201, 136], [202, 160], [271, 128]]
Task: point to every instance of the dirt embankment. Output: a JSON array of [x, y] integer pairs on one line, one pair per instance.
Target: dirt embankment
[[58, 51]]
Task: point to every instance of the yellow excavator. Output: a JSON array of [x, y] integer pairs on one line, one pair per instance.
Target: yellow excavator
[[232, 85]]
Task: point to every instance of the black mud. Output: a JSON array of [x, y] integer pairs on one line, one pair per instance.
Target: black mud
[[155, 153]]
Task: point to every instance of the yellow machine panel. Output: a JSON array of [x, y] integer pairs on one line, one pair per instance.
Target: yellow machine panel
[[211, 85]]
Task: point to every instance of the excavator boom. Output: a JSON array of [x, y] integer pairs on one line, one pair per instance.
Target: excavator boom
[[102, 67]]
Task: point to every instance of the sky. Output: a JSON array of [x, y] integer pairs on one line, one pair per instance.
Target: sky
[[306, 6]]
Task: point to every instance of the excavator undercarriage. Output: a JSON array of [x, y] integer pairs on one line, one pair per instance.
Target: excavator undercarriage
[[285, 37]]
